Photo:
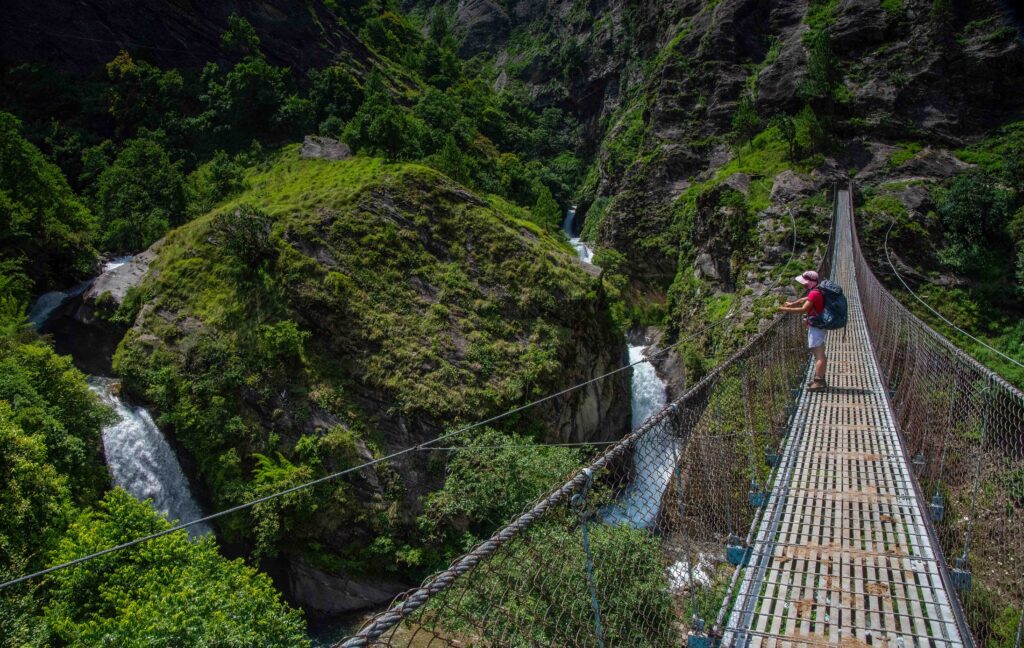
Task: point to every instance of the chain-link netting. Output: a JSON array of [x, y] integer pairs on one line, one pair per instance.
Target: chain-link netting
[[636, 545], [963, 427]]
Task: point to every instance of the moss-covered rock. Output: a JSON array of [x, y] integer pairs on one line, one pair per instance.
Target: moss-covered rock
[[338, 311]]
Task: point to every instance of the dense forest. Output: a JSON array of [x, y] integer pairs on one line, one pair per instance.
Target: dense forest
[[346, 220]]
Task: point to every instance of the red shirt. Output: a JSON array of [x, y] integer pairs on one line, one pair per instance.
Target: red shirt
[[817, 302]]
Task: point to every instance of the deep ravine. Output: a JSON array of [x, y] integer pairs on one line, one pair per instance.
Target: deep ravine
[[654, 456]]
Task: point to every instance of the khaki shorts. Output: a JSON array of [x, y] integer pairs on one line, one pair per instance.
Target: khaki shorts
[[815, 337]]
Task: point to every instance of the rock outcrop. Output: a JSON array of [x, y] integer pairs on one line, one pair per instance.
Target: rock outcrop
[[315, 147], [483, 26], [85, 326], [394, 307]]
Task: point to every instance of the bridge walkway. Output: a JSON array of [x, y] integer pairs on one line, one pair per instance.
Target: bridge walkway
[[843, 555]]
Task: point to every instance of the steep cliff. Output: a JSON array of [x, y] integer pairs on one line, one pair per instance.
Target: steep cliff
[[695, 180], [82, 36]]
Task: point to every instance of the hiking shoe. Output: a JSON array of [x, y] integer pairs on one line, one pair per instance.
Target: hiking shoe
[[818, 384]]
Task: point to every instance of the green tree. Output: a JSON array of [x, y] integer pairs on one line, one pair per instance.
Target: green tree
[[451, 161], [821, 87], [240, 38], [170, 591], [51, 402], [334, 92], [545, 210], [787, 130], [380, 127], [46, 233], [212, 182], [492, 479], [745, 122], [976, 216], [811, 132], [244, 102], [142, 94], [140, 196], [35, 503]]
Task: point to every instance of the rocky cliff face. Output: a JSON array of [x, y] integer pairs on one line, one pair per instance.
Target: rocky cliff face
[[657, 86]]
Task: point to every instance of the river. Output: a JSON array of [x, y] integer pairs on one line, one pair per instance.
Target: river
[[654, 457]]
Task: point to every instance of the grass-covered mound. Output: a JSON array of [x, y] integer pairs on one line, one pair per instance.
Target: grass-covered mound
[[337, 310]]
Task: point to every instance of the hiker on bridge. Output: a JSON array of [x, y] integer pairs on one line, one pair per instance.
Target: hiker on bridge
[[812, 306]]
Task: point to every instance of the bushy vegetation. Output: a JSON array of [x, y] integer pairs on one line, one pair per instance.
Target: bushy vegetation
[[53, 509], [491, 479], [539, 581], [46, 233], [973, 232]]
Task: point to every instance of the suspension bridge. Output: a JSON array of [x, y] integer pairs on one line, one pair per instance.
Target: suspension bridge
[[884, 511]]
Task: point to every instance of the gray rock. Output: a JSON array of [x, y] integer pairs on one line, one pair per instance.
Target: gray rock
[[330, 595], [860, 24], [324, 148], [740, 182], [112, 286], [704, 266], [483, 24], [789, 186]]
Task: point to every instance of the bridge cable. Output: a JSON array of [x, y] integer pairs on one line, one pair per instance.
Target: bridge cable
[[426, 445], [937, 313]]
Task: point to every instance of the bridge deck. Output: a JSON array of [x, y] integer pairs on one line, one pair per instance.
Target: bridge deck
[[843, 555]]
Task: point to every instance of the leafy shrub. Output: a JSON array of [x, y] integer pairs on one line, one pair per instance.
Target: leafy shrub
[[244, 233], [46, 233], [492, 478]]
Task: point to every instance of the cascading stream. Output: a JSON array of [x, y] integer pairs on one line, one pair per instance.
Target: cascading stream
[[142, 461], [583, 250], [654, 457]]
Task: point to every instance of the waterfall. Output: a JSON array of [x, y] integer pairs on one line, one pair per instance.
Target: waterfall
[[46, 303], [654, 455], [583, 250], [142, 461]]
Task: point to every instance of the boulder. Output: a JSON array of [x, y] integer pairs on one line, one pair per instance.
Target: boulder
[[327, 595], [83, 326], [789, 186], [315, 147]]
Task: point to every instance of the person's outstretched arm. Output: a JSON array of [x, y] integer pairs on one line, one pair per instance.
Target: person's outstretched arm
[[804, 307]]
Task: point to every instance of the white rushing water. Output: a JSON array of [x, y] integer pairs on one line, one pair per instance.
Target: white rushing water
[[116, 262], [46, 303], [655, 453], [583, 250], [142, 461]]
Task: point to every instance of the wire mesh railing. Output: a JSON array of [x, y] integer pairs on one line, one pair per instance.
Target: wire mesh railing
[[963, 427], [638, 547]]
